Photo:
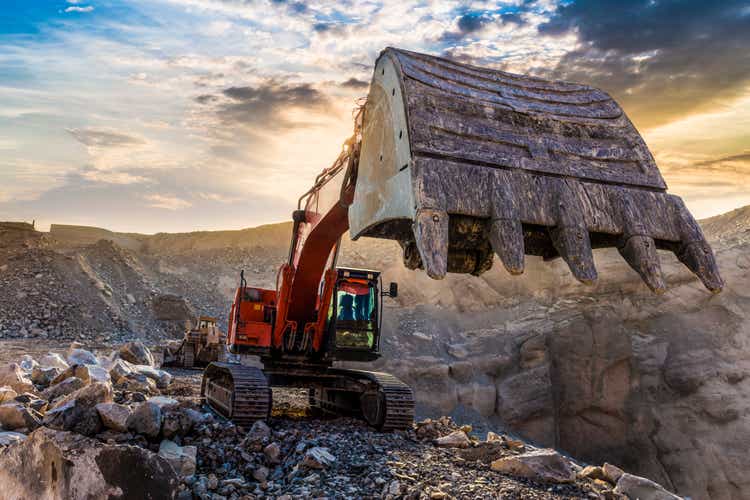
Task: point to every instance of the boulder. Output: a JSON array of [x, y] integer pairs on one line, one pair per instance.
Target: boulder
[[7, 394], [81, 357], [32, 401], [53, 360], [636, 487], [54, 464], [43, 376], [484, 452], [67, 386], [593, 472], [546, 466], [77, 411], [118, 369], [176, 421], [181, 458], [146, 419], [18, 416], [257, 437], [114, 416], [135, 382], [456, 439], [10, 437], [318, 458], [136, 353], [13, 376], [612, 473], [163, 401]]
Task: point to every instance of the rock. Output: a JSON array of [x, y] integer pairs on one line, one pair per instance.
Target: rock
[[181, 458], [135, 382], [9, 437], [53, 360], [13, 376], [77, 411], [136, 353], [43, 376], [118, 369], [612, 473], [81, 357], [177, 421], [636, 487], [17, 416], [484, 452], [32, 401], [160, 377], [213, 482], [28, 363], [54, 464], [162, 401], [114, 416], [318, 458], [261, 474], [272, 453], [539, 465], [592, 472], [146, 419], [67, 386], [456, 439], [257, 437], [7, 394]]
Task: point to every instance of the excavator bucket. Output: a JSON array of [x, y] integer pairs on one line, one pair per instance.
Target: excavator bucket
[[459, 163]]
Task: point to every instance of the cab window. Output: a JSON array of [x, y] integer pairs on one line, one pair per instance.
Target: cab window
[[356, 314]]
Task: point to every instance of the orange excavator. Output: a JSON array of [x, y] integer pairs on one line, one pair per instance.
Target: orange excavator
[[457, 163]]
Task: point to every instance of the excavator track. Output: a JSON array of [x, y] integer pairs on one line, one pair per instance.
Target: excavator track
[[387, 404], [237, 392]]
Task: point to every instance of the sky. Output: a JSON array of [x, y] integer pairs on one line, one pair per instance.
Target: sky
[[182, 115]]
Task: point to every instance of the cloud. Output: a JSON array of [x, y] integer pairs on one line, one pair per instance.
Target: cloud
[[88, 8], [103, 138], [355, 84], [741, 158], [661, 59], [268, 104], [166, 202]]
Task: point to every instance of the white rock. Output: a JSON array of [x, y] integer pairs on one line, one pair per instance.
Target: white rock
[[456, 439], [162, 401], [28, 363], [10, 437], [81, 357], [181, 458], [642, 488], [162, 378], [53, 360]]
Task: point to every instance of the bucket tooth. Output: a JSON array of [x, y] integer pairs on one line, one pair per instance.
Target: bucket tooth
[[431, 234], [640, 253], [574, 246], [699, 258], [506, 238]]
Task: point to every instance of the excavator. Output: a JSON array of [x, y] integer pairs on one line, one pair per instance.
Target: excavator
[[458, 164]]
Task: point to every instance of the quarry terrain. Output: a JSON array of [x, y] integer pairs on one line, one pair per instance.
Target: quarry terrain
[[655, 385]]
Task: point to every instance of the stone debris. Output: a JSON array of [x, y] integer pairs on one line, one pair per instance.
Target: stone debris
[[15, 415], [612, 473], [77, 411], [146, 419], [539, 465], [77, 356], [318, 458], [63, 388], [53, 360], [7, 394], [13, 376]]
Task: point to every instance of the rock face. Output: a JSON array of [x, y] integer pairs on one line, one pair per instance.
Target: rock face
[[59, 465], [605, 373]]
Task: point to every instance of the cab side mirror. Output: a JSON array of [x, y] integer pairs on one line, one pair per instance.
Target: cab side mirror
[[393, 290]]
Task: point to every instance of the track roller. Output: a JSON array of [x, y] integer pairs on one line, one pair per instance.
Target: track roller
[[239, 393]]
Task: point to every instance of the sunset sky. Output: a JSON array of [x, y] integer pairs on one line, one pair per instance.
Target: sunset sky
[[180, 115]]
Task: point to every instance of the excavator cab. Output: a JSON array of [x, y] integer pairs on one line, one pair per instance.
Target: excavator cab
[[353, 323]]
